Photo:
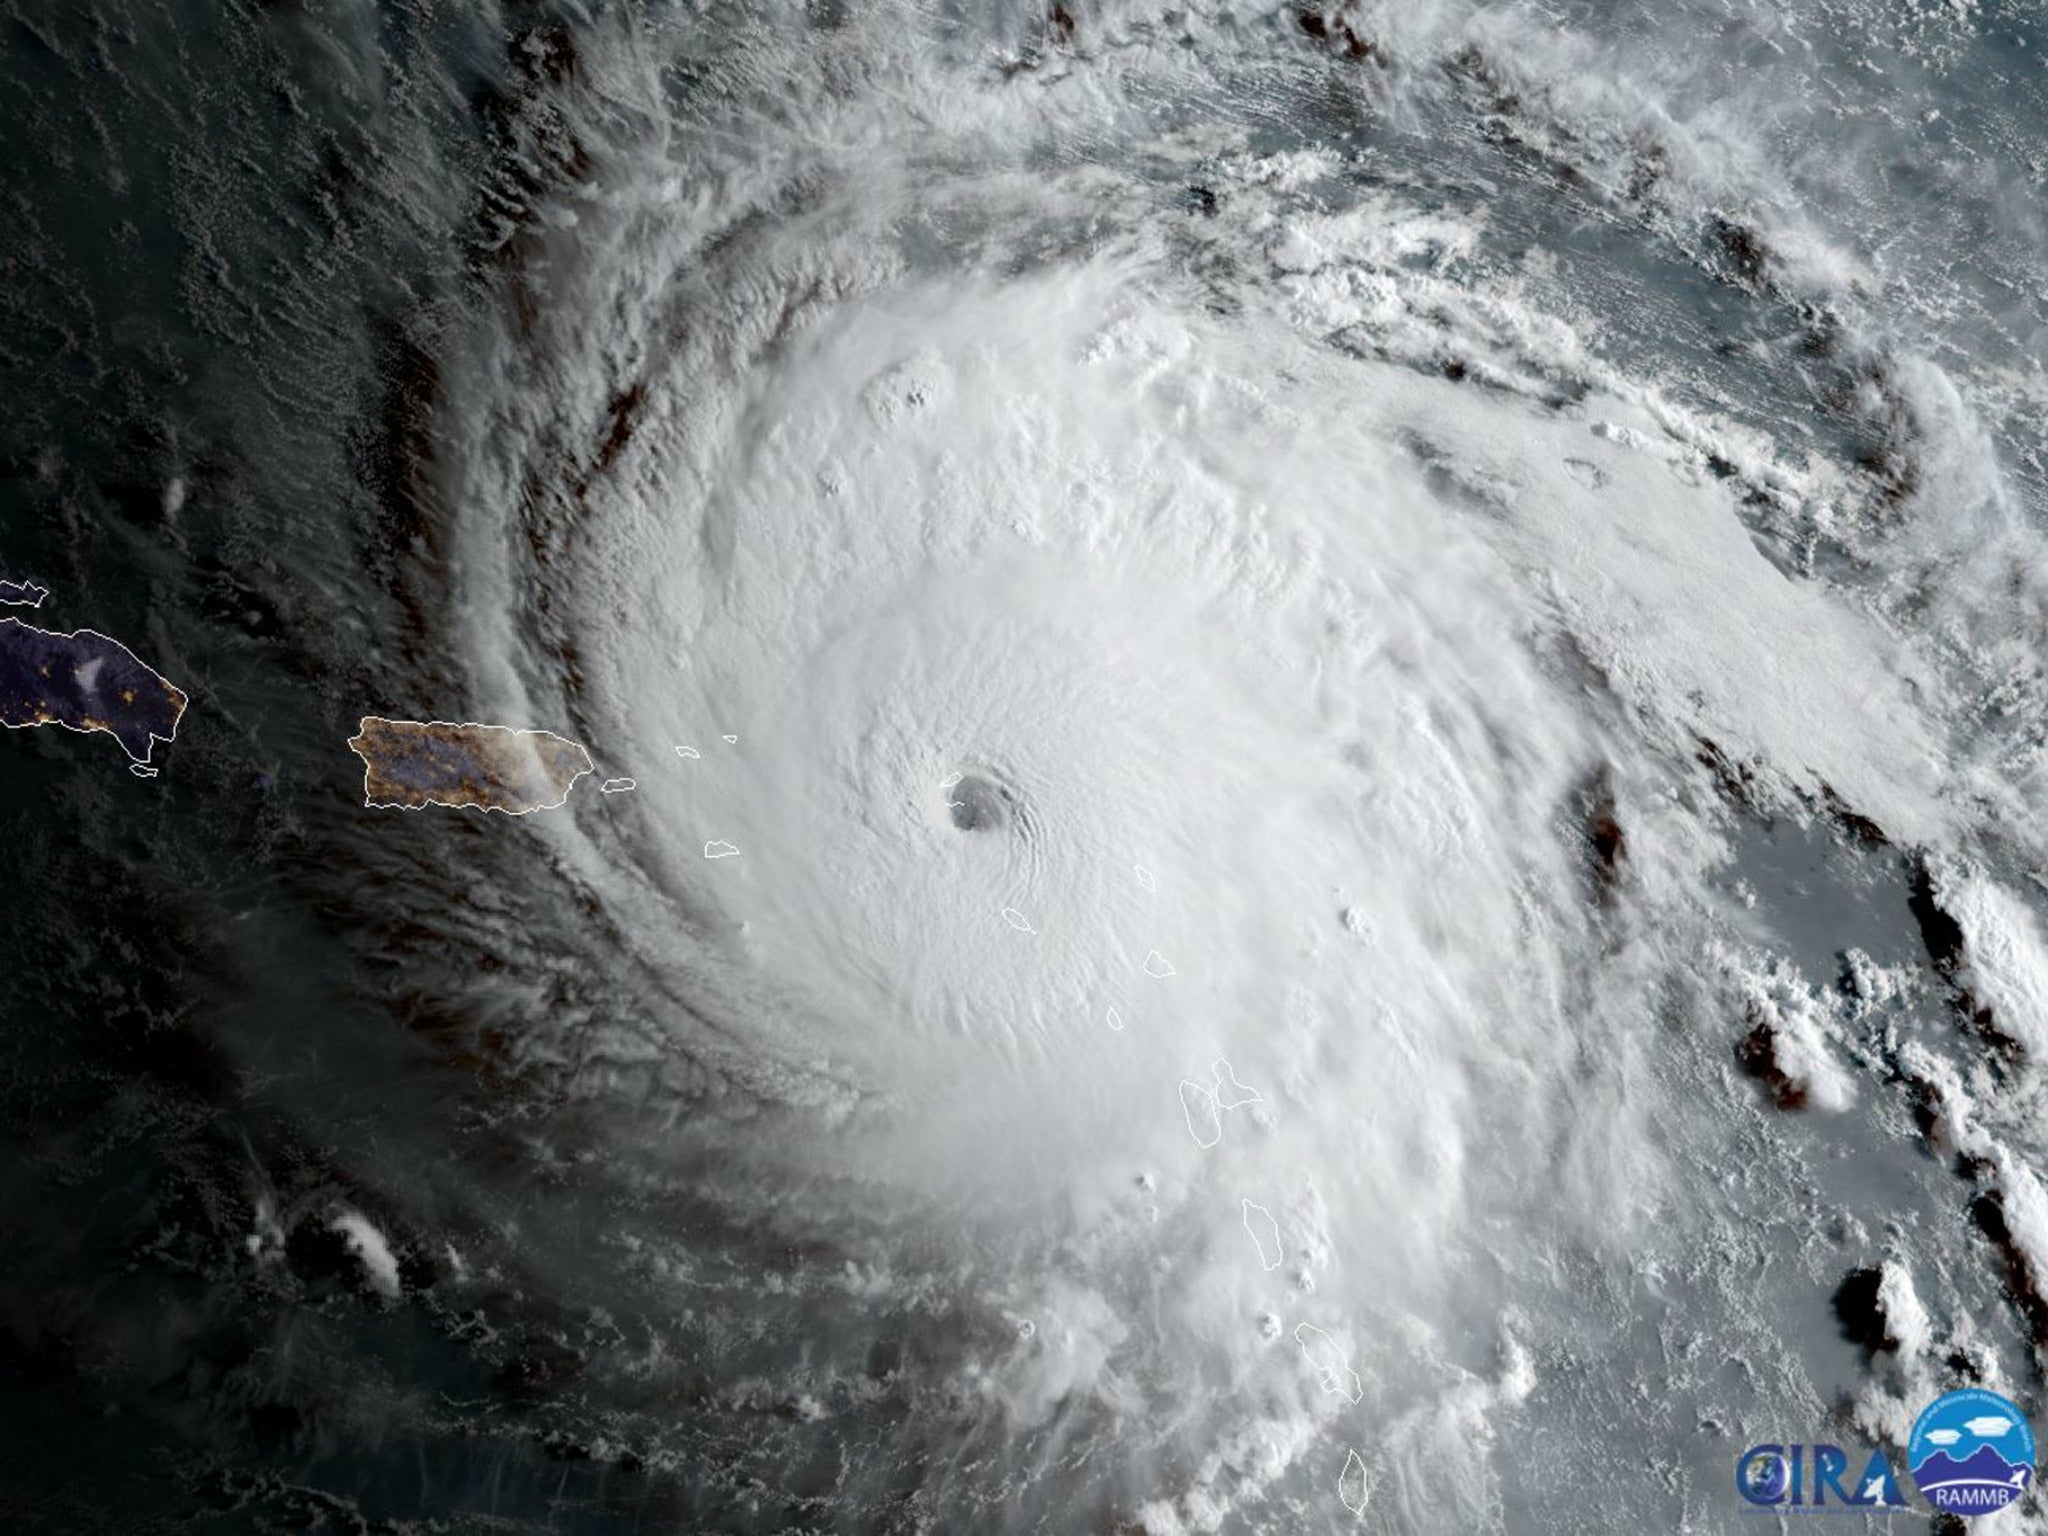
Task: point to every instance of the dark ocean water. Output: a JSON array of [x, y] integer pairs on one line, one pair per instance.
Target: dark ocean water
[[1551, 577]]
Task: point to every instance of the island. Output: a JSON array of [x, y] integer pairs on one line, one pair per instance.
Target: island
[[85, 681], [1265, 1234], [411, 764], [22, 594], [1326, 1357]]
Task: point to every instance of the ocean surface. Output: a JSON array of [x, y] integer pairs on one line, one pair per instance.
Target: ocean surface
[[1422, 620]]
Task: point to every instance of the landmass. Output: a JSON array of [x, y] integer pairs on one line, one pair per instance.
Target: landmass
[[619, 786], [85, 681], [1205, 1119], [22, 594], [1354, 1487], [1327, 1359], [1230, 1093], [1265, 1232], [412, 764]]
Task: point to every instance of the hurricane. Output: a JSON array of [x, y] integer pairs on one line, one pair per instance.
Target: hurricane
[[1321, 745]]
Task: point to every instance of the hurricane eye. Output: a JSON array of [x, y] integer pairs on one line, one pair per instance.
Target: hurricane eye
[[977, 805]]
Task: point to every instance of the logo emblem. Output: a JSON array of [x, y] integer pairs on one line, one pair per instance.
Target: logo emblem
[[1782, 1477], [1972, 1452]]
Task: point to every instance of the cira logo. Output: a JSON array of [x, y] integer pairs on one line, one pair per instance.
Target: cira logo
[[1787, 1477], [1971, 1452]]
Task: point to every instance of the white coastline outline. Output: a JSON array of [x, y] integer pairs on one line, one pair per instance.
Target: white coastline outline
[[101, 730], [1329, 1374], [1191, 1093], [618, 786], [1272, 1229], [27, 585], [725, 849], [1360, 1478], [1222, 1072], [576, 778]]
